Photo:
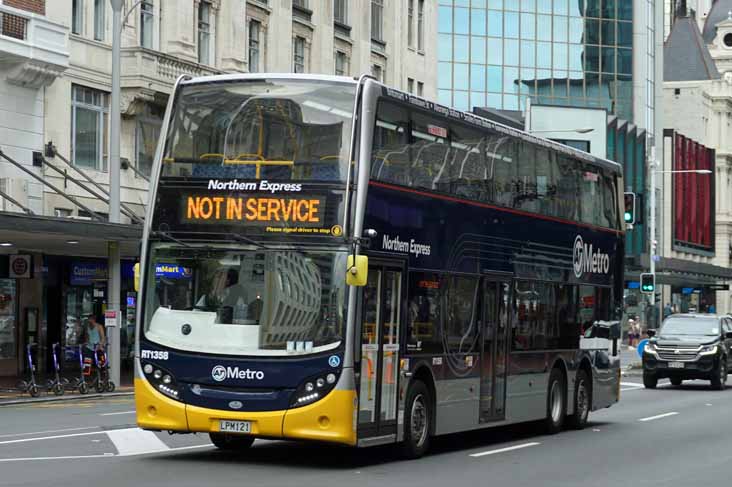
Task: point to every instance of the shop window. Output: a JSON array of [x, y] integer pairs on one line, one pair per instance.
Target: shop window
[[8, 309]]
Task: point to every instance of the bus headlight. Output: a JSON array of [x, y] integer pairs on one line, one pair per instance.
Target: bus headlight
[[162, 380], [313, 388]]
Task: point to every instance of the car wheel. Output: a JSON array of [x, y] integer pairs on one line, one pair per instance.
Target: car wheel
[[676, 381], [582, 400], [224, 441], [556, 403], [719, 376], [650, 381], [417, 421]]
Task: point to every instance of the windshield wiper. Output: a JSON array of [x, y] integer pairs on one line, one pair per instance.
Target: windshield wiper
[[170, 238]]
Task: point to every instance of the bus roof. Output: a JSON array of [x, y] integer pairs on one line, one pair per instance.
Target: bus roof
[[527, 136]]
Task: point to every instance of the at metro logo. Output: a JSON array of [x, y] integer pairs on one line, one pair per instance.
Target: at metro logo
[[221, 373], [585, 259]]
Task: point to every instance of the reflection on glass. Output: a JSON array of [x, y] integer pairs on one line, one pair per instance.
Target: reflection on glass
[[560, 56], [462, 49], [444, 20], [478, 22], [444, 47], [528, 53], [511, 25], [369, 347], [477, 77], [462, 21], [461, 101], [444, 75], [560, 29], [511, 55], [495, 51], [461, 76], [528, 26], [495, 23], [477, 50], [544, 27], [495, 79]]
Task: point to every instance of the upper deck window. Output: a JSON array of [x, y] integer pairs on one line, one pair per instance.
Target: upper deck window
[[261, 129]]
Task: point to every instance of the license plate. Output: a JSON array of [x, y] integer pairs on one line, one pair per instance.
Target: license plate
[[676, 365], [235, 426]]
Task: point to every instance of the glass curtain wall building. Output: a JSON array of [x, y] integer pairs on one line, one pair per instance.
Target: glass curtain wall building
[[498, 53]]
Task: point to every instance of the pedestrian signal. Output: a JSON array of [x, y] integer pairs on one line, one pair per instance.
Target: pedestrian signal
[[629, 206], [648, 283]]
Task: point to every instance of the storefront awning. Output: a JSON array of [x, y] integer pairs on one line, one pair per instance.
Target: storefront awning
[[678, 272], [66, 236]]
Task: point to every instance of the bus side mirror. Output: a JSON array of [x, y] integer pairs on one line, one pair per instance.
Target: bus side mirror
[[137, 276], [357, 270]]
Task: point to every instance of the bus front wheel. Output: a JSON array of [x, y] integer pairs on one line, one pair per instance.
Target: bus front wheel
[[224, 441], [417, 421], [556, 402]]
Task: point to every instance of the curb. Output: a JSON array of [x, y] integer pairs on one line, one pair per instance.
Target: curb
[[35, 400]]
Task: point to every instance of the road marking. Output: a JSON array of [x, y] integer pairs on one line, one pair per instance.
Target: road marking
[[134, 441], [30, 459], [659, 416], [51, 437], [120, 412], [632, 384], [48, 431], [502, 450]]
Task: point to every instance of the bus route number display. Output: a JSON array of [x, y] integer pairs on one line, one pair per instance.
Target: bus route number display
[[301, 214]]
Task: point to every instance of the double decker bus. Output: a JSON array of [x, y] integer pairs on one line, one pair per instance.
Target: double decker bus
[[330, 259]]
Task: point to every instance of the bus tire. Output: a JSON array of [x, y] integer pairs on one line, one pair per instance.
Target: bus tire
[[582, 400], [417, 421], [556, 402], [224, 441]]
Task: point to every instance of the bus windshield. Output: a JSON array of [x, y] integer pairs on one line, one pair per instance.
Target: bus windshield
[[261, 129], [231, 301]]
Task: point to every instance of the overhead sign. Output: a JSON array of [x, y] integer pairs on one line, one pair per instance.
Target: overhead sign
[[84, 273], [717, 287], [20, 267], [173, 271]]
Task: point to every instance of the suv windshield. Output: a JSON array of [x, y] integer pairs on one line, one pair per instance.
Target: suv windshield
[[245, 302], [261, 129], [690, 326]]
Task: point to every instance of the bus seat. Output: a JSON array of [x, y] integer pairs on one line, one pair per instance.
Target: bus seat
[[325, 172], [275, 172]]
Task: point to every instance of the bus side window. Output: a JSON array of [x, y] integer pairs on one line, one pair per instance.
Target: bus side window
[[567, 189], [390, 158], [423, 323], [430, 154], [546, 184], [610, 205], [501, 153]]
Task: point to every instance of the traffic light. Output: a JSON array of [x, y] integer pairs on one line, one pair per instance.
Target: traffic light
[[629, 206], [648, 283]]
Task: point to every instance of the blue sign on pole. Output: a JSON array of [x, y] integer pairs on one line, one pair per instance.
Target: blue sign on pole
[[641, 346]]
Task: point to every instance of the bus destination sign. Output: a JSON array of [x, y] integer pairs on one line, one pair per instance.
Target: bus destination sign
[[270, 208]]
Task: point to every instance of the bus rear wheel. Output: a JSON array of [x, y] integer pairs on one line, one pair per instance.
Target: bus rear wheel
[[556, 403], [582, 400], [224, 441], [417, 421]]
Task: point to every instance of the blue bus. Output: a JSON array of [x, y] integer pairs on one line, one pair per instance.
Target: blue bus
[[331, 259]]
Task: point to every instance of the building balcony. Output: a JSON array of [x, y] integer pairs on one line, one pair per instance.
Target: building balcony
[[147, 73], [33, 50]]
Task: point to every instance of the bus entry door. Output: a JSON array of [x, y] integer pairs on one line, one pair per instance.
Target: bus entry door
[[495, 350], [381, 319]]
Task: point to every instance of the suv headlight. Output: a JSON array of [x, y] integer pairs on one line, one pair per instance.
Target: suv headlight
[[708, 350]]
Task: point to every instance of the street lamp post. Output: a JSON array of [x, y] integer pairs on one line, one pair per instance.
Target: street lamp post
[[114, 282], [652, 231]]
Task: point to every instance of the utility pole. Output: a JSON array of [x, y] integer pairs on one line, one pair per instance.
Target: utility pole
[[114, 286]]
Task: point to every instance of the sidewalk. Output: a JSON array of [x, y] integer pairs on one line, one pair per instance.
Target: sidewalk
[[630, 362], [13, 397]]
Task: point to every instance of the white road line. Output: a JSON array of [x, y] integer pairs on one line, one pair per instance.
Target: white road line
[[659, 416], [30, 459], [119, 412], [48, 431], [502, 450], [133, 441], [631, 384], [52, 437]]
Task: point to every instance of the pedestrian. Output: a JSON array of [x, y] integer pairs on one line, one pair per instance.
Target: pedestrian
[[667, 311], [95, 339], [631, 333]]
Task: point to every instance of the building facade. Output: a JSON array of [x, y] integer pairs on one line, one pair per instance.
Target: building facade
[[55, 85]]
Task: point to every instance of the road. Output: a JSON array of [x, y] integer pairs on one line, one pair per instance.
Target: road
[[668, 436]]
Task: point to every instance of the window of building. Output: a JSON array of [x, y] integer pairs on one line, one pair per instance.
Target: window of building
[[410, 24], [341, 64], [89, 118], [254, 33], [377, 72], [340, 9], [410, 85], [300, 3], [147, 15], [86, 214], [62, 212], [420, 25], [420, 88], [99, 19], [147, 132], [77, 16], [204, 33], [377, 19], [298, 55]]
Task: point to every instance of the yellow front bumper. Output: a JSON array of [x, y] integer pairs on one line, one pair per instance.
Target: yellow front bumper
[[331, 419]]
